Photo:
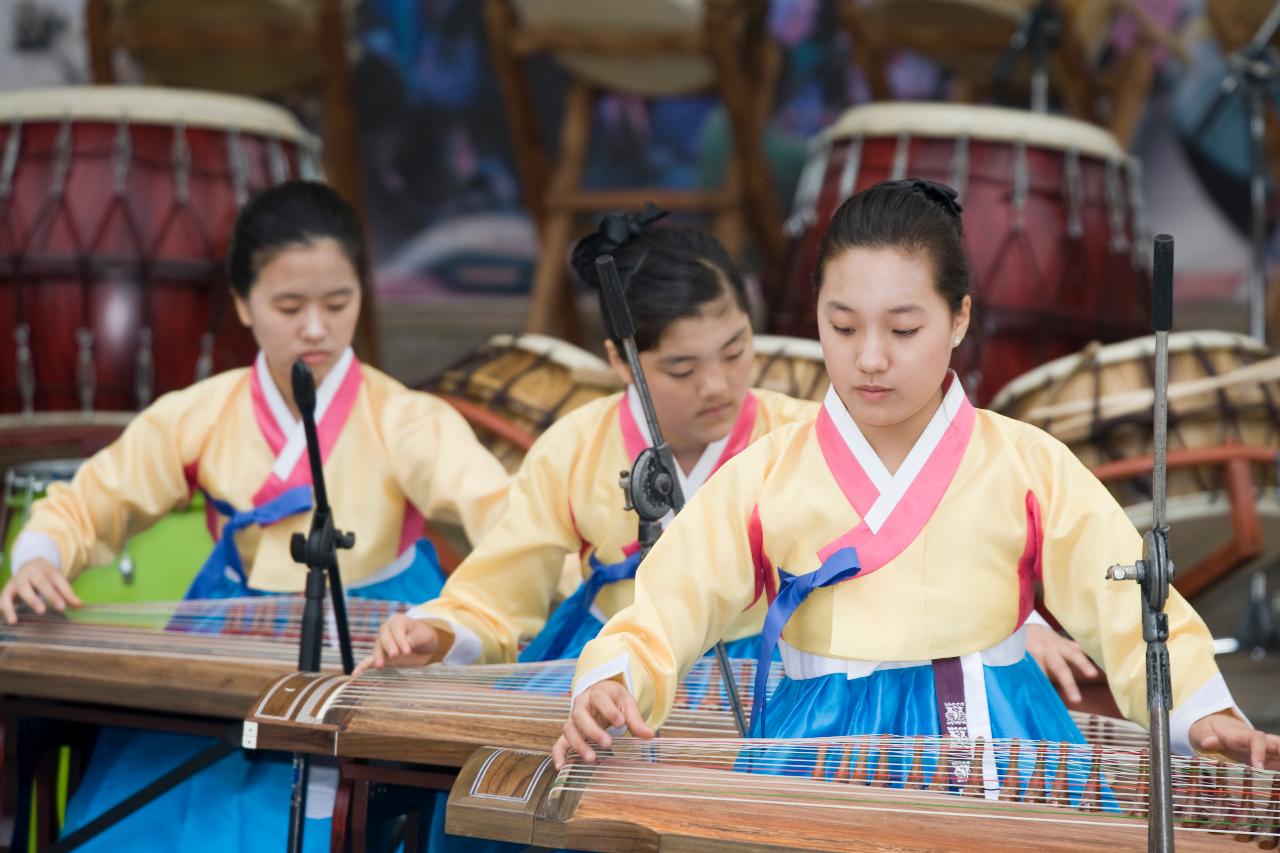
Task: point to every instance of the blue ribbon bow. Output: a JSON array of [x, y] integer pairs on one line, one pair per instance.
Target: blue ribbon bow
[[602, 575], [224, 565], [792, 592]]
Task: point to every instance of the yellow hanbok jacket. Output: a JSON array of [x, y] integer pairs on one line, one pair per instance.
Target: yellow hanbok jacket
[[391, 456], [953, 546], [565, 500]]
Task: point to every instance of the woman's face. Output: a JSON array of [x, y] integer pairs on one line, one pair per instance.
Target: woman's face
[[698, 374], [303, 304], [887, 335]]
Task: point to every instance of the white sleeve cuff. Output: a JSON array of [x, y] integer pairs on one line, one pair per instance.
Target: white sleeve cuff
[[466, 648], [621, 665], [1034, 618], [1212, 697], [32, 544]]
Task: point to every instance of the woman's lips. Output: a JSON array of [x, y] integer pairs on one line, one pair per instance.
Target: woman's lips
[[314, 357], [715, 411], [872, 393]]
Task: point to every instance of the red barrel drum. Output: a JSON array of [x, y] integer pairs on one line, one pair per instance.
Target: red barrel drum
[[116, 207], [1054, 226]]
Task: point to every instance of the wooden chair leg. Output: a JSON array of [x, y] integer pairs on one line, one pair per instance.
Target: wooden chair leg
[[1129, 95], [526, 134], [549, 311], [728, 223], [1075, 79], [547, 297], [97, 19], [728, 25], [359, 838], [339, 827], [868, 53]]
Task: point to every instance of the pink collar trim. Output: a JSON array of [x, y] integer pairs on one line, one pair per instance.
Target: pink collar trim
[[335, 399], [890, 520], [635, 435]]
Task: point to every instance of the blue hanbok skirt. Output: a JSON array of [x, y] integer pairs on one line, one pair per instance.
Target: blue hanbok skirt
[[1021, 705], [239, 803]]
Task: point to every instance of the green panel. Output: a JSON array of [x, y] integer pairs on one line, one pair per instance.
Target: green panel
[[166, 557]]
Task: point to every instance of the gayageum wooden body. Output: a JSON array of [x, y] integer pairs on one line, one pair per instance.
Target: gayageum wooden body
[[866, 794], [439, 715], [202, 658]]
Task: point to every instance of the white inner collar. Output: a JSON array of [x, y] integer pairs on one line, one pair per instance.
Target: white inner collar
[[692, 481], [891, 487], [295, 438]]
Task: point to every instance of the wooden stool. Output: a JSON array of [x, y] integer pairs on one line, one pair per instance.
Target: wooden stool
[[967, 38], [261, 48], [652, 48]]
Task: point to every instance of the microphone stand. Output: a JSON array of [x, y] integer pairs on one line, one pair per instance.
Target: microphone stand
[[318, 550], [1154, 572], [651, 486], [1255, 68]]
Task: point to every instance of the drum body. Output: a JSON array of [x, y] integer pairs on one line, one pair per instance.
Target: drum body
[[1223, 391], [157, 564], [117, 206], [1080, 399], [792, 366], [525, 381], [1054, 228]]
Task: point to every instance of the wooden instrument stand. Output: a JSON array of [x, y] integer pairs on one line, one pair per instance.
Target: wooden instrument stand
[[967, 42], [1246, 528], [734, 39]]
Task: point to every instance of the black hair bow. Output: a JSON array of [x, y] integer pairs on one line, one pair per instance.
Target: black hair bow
[[614, 232], [940, 194], [616, 229]]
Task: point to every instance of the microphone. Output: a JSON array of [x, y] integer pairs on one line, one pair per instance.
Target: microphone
[[304, 388], [1162, 272], [304, 396]]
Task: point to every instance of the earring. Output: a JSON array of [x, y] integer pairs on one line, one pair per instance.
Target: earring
[[955, 342]]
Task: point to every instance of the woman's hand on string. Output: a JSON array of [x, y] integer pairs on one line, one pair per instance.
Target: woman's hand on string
[[1227, 735], [1061, 658], [40, 585], [402, 641], [600, 707]]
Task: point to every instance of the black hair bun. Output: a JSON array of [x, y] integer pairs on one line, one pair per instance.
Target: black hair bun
[[614, 231], [940, 194]]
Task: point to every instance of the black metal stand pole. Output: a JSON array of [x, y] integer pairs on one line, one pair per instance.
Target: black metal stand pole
[[1154, 572], [318, 550], [651, 485]]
